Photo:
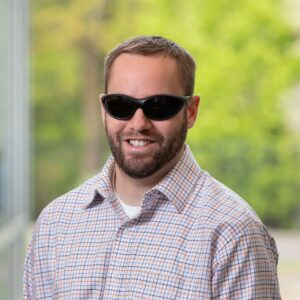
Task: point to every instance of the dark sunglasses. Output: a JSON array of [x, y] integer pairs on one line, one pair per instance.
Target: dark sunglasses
[[157, 107]]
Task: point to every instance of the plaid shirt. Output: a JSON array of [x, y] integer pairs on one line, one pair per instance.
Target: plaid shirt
[[194, 239]]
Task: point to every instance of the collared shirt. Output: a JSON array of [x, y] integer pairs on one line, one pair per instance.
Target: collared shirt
[[194, 239]]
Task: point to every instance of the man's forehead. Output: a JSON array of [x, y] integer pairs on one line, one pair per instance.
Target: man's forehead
[[163, 66], [141, 76]]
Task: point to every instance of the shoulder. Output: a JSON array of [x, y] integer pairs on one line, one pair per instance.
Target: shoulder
[[227, 218], [69, 203], [215, 203]]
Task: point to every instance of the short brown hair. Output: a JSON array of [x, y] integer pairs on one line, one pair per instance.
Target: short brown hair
[[155, 45]]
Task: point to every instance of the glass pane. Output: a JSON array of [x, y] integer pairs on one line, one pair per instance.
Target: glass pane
[[4, 91], [14, 133]]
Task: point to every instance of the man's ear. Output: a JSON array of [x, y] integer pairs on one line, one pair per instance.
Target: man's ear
[[103, 113], [192, 110]]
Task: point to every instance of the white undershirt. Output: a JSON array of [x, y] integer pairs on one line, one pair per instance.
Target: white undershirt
[[130, 210]]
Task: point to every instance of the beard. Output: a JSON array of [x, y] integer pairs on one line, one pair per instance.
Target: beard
[[140, 167]]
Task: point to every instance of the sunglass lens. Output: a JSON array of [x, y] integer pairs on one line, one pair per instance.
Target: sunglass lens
[[162, 107], [119, 107]]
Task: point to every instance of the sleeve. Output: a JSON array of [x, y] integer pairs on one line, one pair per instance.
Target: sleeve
[[245, 265], [39, 263]]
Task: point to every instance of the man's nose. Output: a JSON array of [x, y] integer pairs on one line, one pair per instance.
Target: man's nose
[[139, 121]]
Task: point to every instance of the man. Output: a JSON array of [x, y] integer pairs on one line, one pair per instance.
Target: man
[[152, 224]]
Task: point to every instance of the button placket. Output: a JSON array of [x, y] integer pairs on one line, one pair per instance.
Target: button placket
[[117, 270]]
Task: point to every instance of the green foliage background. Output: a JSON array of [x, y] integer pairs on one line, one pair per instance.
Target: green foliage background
[[246, 63]]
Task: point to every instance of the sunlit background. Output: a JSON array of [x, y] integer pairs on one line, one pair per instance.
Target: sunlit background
[[248, 130]]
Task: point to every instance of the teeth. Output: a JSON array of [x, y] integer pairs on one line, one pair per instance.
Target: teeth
[[138, 143]]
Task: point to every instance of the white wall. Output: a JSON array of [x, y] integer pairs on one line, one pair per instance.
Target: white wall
[[14, 144]]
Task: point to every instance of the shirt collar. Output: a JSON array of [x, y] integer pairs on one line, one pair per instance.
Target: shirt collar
[[181, 181], [176, 186], [101, 188]]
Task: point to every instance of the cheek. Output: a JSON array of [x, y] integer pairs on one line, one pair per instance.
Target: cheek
[[169, 127], [113, 126]]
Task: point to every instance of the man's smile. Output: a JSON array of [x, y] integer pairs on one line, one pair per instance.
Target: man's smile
[[139, 143]]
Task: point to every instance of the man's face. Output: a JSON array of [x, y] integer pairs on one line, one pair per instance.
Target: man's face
[[142, 146]]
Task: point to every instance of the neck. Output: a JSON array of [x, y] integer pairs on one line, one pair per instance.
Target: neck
[[131, 190]]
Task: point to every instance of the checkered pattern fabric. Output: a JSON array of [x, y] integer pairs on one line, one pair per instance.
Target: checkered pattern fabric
[[194, 239]]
